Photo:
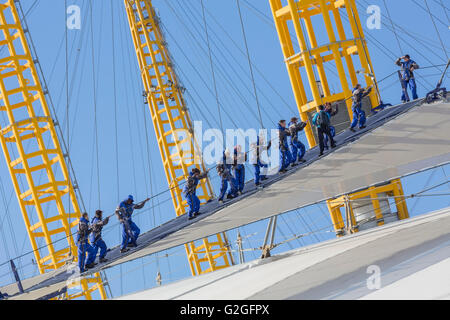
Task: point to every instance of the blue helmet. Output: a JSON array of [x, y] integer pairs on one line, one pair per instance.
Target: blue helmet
[[130, 197]]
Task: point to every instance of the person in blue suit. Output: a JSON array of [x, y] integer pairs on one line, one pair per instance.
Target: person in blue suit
[[258, 148], [85, 251], [359, 116], [298, 149], [95, 238], [190, 191], [332, 113], [227, 178], [407, 76], [322, 122], [130, 231], [239, 159], [285, 153]]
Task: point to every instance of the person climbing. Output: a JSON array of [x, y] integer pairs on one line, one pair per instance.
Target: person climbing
[[297, 147], [285, 153], [227, 178], [239, 159], [228, 161], [358, 113], [190, 190], [258, 148], [407, 76], [130, 231], [322, 122], [86, 255], [97, 224], [332, 113]]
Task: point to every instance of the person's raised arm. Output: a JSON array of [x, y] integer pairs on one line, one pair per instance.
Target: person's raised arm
[[141, 204]]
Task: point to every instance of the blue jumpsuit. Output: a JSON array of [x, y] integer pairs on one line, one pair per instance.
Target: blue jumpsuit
[[408, 77], [285, 153], [224, 173], [239, 169], [297, 147], [84, 248], [96, 237], [190, 194], [130, 231], [332, 129], [258, 165], [358, 113]]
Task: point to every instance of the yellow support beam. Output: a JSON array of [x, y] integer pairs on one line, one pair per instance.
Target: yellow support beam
[[293, 20], [33, 154], [173, 128], [392, 189], [312, 58]]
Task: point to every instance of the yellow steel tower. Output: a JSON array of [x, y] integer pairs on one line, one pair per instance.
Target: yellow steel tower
[[34, 155], [303, 18], [173, 128]]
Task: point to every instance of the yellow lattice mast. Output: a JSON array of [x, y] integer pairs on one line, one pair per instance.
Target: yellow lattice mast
[[34, 156], [173, 129], [300, 19]]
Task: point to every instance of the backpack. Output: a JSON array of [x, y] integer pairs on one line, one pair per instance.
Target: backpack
[[323, 121]]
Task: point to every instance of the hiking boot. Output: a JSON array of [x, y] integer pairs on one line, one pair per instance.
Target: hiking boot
[[302, 160], [221, 201], [264, 178], [124, 250], [363, 127], [190, 217], [229, 196], [240, 193], [102, 260], [293, 164], [90, 265], [352, 130]]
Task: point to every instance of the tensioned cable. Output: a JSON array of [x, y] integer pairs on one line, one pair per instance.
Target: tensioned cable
[[445, 10], [250, 64], [69, 204], [95, 104], [436, 28], [431, 14], [224, 70], [261, 74], [212, 67], [113, 42], [392, 24]]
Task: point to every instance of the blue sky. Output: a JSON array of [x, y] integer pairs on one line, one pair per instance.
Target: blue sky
[[139, 164]]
